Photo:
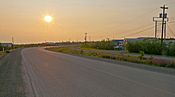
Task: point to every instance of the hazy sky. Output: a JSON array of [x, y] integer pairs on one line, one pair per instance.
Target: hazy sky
[[23, 19]]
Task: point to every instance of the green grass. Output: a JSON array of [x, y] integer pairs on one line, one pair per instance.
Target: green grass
[[120, 57], [84, 48], [66, 50]]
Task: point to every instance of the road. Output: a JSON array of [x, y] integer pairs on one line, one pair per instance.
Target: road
[[50, 74]]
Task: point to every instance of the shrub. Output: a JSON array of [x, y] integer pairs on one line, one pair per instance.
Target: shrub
[[147, 46], [170, 49], [104, 45], [141, 55]]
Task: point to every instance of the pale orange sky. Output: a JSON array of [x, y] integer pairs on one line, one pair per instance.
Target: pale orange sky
[[23, 19]]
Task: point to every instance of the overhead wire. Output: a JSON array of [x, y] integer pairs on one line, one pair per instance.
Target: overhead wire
[[146, 27], [140, 16], [138, 28], [138, 32], [172, 32], [151, 12], [171, 22], [170, 3]]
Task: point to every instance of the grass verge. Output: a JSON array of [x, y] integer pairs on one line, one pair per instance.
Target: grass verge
[[120, 57]]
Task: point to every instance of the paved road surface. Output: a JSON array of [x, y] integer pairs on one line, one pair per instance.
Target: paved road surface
[[51, 74]]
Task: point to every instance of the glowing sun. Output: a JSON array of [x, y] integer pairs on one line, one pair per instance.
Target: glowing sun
[[48, 18]]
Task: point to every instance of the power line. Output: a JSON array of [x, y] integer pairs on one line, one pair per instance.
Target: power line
[[141, 31], [171, 3], [172, 32], [140, 27], [139, 17], [171, 22], [136, 29]]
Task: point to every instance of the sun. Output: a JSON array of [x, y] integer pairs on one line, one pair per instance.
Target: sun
[[48, 18]]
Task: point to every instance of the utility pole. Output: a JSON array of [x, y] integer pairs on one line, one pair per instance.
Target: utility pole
[[165, 30], [12, 40], [163, 15], [156, 20], [155, 31], [85, 38]]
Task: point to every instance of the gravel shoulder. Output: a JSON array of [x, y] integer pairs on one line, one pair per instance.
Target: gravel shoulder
[[11, 78]]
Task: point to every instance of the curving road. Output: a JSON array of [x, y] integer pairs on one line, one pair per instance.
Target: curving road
[[50, 74]]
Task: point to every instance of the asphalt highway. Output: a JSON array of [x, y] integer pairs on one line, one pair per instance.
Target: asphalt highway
[[51, 74]]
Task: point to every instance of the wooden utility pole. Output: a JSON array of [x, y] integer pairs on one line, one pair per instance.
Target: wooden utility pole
[[12, 40], [165, 30], [163, 15], [156, 20], [155, 29], [85, 38]]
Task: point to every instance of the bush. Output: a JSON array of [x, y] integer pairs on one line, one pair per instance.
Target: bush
[[104, 45], [147, 46], [141, 55], [170, 49]]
